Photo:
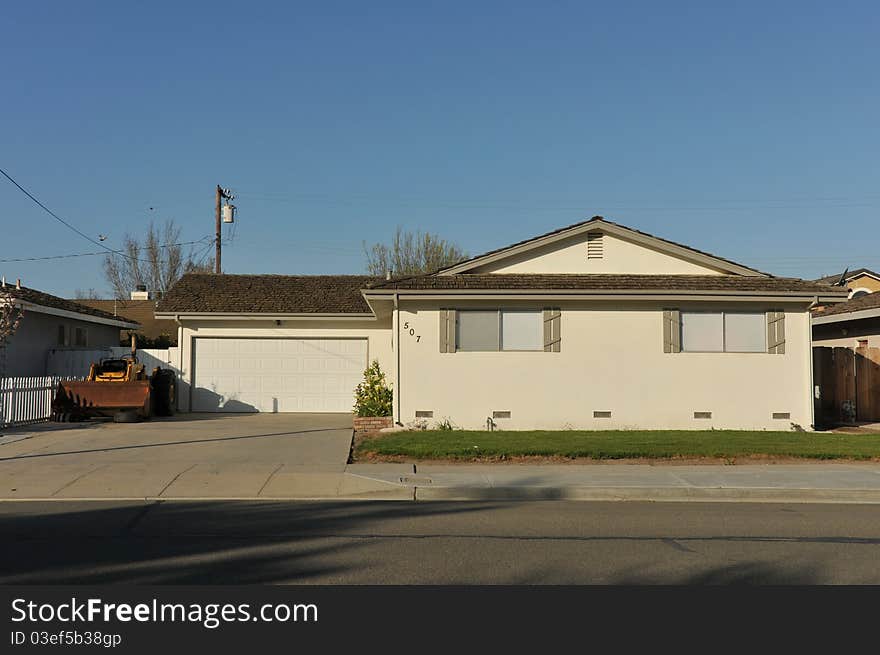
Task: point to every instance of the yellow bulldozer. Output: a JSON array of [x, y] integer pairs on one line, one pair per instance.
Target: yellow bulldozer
[[118, 388]]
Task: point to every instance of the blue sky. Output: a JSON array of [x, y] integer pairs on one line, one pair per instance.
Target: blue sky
[[745, 129]]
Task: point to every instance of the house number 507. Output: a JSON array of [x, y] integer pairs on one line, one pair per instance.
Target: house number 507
[[412, 331]]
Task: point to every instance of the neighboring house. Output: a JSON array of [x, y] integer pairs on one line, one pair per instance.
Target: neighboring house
[[50, 322], [852, 324], [141, 311], [594, 325], [859, 282]]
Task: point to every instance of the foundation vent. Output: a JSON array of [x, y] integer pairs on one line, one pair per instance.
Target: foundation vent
[[504, 414], [782, 415], [702, 414], [595, 245], [601, 414], [424, 413]]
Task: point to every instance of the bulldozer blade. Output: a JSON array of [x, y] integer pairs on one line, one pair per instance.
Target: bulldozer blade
[[102, 398]]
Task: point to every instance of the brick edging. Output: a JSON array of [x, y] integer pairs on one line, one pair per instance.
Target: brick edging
[[364, 424]]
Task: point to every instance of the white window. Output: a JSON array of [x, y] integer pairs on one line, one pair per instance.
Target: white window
[[500, 330], [702, 332], [522, 330], [745, 333], [733, 332]]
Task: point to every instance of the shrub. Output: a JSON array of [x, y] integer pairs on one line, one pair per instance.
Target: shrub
[[444, 425], [373, 396]]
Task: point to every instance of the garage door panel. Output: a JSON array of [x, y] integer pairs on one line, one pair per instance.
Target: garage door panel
[[277, 375]]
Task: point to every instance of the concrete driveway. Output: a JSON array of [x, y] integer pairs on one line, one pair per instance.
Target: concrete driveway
[[187, 456]]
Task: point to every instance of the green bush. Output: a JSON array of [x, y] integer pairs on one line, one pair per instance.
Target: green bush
[[373, 397]]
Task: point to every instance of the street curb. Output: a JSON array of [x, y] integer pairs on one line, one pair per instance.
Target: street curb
[[652, 494], [595, 494]]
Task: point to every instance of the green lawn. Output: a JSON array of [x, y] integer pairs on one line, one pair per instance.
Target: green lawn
[[612, 444]]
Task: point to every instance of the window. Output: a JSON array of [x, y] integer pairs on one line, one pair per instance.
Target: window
[[733, 332], [478, 331], [745, 333], [500, 330], [702, 332], [522, 330], [81, 337], [63, 336]]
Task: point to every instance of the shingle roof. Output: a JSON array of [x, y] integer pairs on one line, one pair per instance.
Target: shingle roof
[[267, 294], [47, 300], [832, 279], [870, 301], [596, 219], [609, 282], [142, 311]]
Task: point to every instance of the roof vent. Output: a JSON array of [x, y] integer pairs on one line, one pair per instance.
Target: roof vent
[[595, 248]]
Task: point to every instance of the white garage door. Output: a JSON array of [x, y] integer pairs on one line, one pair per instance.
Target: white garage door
[[277, 375]]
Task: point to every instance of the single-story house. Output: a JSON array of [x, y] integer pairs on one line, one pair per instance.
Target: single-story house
[[852, 324], [52, 323], [594, 325]]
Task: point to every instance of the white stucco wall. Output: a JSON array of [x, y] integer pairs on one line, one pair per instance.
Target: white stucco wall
[[619, 256], [377, 333], [611, 359]]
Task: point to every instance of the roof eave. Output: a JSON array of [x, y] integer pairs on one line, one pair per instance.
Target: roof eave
[[264, 316], [89, 318], [609, 294], [846, 316]]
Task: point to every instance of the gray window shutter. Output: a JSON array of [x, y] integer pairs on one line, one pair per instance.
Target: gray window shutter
[[451, 323], [776, 332], [552, 329], [671, 331], [447, 330], [444, 330]]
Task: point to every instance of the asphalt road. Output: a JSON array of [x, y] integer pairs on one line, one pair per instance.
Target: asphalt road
[[545, 542]]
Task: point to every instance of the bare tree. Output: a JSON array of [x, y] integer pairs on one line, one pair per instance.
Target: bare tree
[[412, 253], [83, 294], [10, 318], [157, 263]]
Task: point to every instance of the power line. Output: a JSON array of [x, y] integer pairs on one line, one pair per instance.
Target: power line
[[828, 202], [53, 214], [69, 226], [92, 254]]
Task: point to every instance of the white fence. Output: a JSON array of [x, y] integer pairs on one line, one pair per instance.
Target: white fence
[[75, 362], [27, 400]]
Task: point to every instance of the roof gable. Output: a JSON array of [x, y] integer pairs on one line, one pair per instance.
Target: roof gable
[[598, 246], [850, 276]]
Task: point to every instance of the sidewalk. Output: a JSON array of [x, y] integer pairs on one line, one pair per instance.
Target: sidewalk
[[808, 482], [813, 483], [272, 458]]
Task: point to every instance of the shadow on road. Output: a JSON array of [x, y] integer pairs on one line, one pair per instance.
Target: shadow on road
[[193, 543]]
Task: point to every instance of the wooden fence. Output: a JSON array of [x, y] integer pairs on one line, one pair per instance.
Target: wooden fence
[[848, 384], [27, 400]]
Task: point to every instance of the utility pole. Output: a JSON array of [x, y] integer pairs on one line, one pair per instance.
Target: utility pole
[[217, 236], [221, 194]]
